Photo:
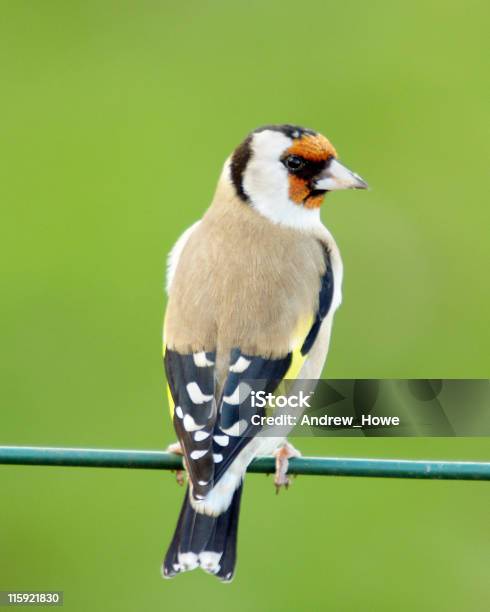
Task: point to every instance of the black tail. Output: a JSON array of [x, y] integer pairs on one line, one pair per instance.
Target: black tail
[[204, 541]]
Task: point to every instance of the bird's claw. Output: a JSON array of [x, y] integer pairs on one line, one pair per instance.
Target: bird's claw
[[282, 455], [284, 484], [176, 449], [179, 477]]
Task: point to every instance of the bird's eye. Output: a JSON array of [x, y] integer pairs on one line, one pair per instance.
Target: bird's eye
[[293, 163]]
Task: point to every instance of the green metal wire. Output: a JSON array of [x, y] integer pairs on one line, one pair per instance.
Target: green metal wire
[[316, 466]]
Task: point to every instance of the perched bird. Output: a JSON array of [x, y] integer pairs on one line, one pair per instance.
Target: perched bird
[[253, 287]]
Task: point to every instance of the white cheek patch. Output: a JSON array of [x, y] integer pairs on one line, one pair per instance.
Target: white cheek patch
[[266, 183], [265, 176]]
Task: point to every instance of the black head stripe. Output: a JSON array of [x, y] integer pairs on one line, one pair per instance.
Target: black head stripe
[[239, 162], [291, 131], [310, 169], [243, 153]]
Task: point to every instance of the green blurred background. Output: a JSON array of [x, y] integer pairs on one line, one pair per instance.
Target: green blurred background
[[116, 119]]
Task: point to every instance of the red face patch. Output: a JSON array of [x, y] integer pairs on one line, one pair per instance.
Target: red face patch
[[314, 148]]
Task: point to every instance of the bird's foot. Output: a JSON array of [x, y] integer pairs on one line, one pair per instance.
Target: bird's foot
[[176, 449], [282, 455]]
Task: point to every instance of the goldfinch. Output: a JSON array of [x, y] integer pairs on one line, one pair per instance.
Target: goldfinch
[[252, 290]]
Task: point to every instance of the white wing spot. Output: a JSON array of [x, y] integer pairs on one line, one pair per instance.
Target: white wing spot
[[218, 458], [197, 454], [240, 365], [190, 424], [199, 436], [209, 561], [196, 395], [240, 394], [188, 560], [203, 483], [179, 413], [236, 429], [201, 361], [222, 440]]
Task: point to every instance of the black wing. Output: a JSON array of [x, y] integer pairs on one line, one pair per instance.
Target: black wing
[[234, 428], [211, 439], [191, 381], [324, 303]]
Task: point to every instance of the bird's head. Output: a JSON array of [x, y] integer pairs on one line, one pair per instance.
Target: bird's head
[[284, 171]]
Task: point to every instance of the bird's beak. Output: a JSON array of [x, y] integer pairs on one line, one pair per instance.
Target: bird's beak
[[336, 176]]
